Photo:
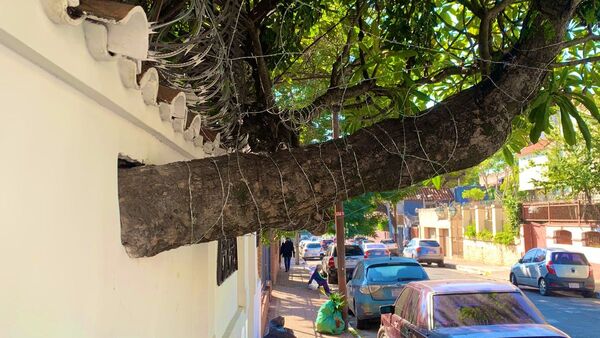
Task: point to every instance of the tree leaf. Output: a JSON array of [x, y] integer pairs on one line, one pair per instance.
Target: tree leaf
[[568, 129], [589, 104], [508, 156]]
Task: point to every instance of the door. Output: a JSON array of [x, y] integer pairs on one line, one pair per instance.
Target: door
[[444, 241], [521, 270], [410, 313], [534, 269]]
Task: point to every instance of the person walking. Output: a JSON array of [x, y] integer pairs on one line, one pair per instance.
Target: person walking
[[287, 251]]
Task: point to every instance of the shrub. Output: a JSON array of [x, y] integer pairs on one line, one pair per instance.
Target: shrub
[[470, 231], [474, 194], [485, 235], [504, 238]]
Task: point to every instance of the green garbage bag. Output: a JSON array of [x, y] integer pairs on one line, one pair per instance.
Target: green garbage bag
[[329, 319]]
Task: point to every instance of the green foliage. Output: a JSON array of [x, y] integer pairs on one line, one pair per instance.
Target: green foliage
[[504, 238], [338, 301], [474, 194], [574, 169], [485, 235], [470, 231], [512, 213]]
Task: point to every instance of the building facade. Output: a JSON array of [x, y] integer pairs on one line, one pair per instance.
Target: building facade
[[75, 102]]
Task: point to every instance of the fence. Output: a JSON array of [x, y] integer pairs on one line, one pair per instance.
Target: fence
[[561, 212]]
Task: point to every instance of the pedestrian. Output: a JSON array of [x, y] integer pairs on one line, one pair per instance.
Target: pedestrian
[[287, 251], [322, 282]]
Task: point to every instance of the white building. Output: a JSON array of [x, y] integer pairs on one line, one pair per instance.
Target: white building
[[71, 105]]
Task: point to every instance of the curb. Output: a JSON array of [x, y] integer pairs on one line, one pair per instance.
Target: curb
[[468, 269]]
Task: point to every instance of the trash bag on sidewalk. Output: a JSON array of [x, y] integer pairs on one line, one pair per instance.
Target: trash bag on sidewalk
[[329, 319], [277, 329]]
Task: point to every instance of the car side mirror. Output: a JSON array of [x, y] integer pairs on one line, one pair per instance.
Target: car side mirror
[[520, 260], [386, 309]]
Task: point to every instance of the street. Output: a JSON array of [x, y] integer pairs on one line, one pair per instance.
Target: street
[[571, 313]]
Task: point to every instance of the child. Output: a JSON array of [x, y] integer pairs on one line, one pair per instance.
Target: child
[[316, 276]]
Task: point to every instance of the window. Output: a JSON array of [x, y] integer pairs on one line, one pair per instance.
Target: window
[[563, 237], [395, 273], [569, 258], [528, 258], [470, 309], [227, 262], [540, 256], [429, 243], [358, 272], [402, 301], [409, 312], [591, 238], [313, 246]]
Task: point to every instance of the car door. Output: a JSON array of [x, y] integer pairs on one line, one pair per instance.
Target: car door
[[354, 284], [410, 315], [393, 331], [526, 266], [535, 267]]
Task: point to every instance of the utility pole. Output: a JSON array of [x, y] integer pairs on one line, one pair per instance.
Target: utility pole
[[340, 233]]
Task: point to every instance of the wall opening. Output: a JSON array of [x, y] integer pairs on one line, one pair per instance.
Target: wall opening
[[563, 237], [591, 238]]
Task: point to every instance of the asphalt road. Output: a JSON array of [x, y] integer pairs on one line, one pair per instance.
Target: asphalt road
[[577, 316]]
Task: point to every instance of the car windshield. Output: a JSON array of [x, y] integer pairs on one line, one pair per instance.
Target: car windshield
[[395, 273], [429, 243], [471, 309], [388, 241], [313, 245], [353, 250], [569, 258]]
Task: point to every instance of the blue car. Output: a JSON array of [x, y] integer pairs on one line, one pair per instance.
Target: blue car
[[377, 282]]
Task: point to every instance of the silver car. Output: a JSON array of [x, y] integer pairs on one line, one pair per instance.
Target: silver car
[[424, 251], [554, 269]]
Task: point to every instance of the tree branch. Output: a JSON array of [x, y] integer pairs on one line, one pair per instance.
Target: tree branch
[[578, 41], [167, 206], [591, 59], [261, 10]]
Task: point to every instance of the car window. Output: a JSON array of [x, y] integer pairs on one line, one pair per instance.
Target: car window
[[410, 308], [470, 309], [569, 258], [529, 256], [387, 241], [354, 250], [429, 243], [313, 245], [401, 301], [395, 272], [358, 272], [540, 256]]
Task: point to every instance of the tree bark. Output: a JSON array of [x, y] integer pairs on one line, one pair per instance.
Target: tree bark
[[167, 206]]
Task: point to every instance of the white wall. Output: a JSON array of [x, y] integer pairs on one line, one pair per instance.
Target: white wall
[[591, 253], [64, 272], [531, 167]]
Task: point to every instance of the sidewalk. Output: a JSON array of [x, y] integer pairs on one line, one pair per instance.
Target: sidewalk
[[497, 272], [293, 300]]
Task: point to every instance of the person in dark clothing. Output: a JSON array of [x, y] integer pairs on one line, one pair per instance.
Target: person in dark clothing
[[287, 251], [316, 276]]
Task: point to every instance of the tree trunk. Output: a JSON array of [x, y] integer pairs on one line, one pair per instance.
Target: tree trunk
[[167, 206]]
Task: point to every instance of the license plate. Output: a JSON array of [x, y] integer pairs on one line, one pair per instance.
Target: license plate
[[574, 285]]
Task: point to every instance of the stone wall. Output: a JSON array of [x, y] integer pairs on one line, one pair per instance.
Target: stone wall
[[490, 253]]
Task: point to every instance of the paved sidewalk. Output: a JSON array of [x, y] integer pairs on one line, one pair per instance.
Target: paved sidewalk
[[292, 299], [498, 272]]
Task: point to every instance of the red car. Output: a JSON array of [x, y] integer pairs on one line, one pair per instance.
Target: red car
[[465, 309]]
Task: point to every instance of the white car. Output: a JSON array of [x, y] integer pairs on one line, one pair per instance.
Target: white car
[[375, 250], [311, 250]]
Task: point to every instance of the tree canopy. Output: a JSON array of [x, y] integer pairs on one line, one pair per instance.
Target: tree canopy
[[422, 87]]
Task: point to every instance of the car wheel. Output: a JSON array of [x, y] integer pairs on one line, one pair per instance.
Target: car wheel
[[589, 294], [381, 333], [513, 279], [543, 286], [361, 323], [440, 264], [332, 279]]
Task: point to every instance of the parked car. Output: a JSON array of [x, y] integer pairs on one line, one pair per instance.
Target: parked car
[[354, 254], [436, 309], [311, 250], [377, 282], [425, 251], [325, 243], [375, 250], [554, 269], [391, 246]]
